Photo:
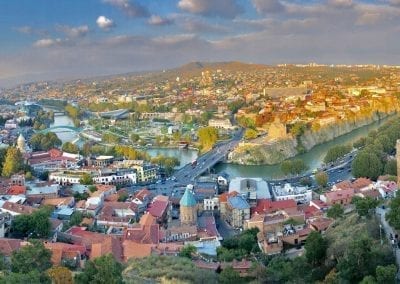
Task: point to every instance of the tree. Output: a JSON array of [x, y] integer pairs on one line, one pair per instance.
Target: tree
[[70, 148], [30, 258], [366, 164], [36, 225], [322, 179], [207, 137], [386, 274], [391, 167], [336, 152], [336, 211], [103, 269], [123, 197], [86, 179], [306, 181], [229, 276], [250, 134], [393, 216], [188, 251], [60, 275], [364, 206], [32, 277], [13, 162], [358, 261], [76, 218], [369, 279], [44, 142], [315, 247]]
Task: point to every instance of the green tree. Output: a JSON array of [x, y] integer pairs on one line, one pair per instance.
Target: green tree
[[391, 167], [32, 277], [315, 247], [188, 251], [101, 270], [229, 276], [367, 164], [335, 211], [250, 134], [30, 258], [76, 218], [358, 260], [44, 142], [322, 179], [369, 279], [13, 162], [60, 275], [36, 225], [336, 152], [386, 274], [393, 215], [70, 148], [364, 206], [86, 179]]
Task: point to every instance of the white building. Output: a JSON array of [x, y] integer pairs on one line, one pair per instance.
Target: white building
[[11, 124], [211, 203], [250, 188], [300, 194], [220, 123]]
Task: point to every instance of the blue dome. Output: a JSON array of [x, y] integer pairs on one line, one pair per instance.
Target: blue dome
[[188, 199]]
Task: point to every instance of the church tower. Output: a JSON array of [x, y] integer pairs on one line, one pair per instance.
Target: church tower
[[188, 207], [21, 143]]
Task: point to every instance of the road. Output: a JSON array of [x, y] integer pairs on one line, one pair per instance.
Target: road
[[387, 231], [188, 173]]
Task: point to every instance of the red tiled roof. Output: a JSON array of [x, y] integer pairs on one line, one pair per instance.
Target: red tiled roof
[[268, 206], [158, 208], [16, 190], [8, 246]]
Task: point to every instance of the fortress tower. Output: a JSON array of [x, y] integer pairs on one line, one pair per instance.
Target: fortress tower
[[188, 208]]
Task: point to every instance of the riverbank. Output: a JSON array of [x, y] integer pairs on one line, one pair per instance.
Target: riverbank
[[278, 151]]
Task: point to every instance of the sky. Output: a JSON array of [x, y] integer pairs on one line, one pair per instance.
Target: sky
[[56, 39]]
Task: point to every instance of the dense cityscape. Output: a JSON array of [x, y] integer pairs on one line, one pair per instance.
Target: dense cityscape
[[205, 168]]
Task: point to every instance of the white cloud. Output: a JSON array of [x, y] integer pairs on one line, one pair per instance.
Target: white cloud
[[156, 20], [221, 8], [268, 6], [104, 23], [130, 8], [48, 42], [73, 32]]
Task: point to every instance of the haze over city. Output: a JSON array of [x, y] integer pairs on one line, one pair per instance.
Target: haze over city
[[44, 40]]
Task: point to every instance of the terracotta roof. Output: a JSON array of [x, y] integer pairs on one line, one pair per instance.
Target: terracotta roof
[[340, 194], [142, 194], [143, 234], [343, 185], [321, 224], [58, 201], [147, 219], [361, 183], [206, 265], [62, 249], [18, 208], [132, 249], [268, 206], [8, 246], [158, 208], [16, 190]]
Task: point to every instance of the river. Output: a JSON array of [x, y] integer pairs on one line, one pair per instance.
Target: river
[[312, 158]]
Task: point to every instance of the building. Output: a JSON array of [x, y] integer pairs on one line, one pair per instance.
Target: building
[[188, 208], [220, 123], [211, 203], [68, 177], [115, 177], [144, 172], [301, 194], [342, 197], [250, 188], [238, 210]]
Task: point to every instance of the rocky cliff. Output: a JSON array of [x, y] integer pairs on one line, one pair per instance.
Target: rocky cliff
[[274, 153]]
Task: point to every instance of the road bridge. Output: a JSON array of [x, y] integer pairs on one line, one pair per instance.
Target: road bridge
[[66, 128]]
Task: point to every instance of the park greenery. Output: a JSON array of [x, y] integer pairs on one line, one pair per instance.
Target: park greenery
[[70, 148], [293, 167], [373, 158], [44, 141], [321, 179], [43, 119], [168, 163], [337, 152], [35, 225], [239, 247], [75, 113]]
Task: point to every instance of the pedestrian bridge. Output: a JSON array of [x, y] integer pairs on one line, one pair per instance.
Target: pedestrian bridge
[[65, 128]]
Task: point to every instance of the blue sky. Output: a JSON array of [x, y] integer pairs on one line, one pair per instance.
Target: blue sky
[[51, 39]]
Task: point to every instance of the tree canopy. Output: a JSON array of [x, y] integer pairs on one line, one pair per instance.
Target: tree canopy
[[207, 137], [104, 269], [13, 162]]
